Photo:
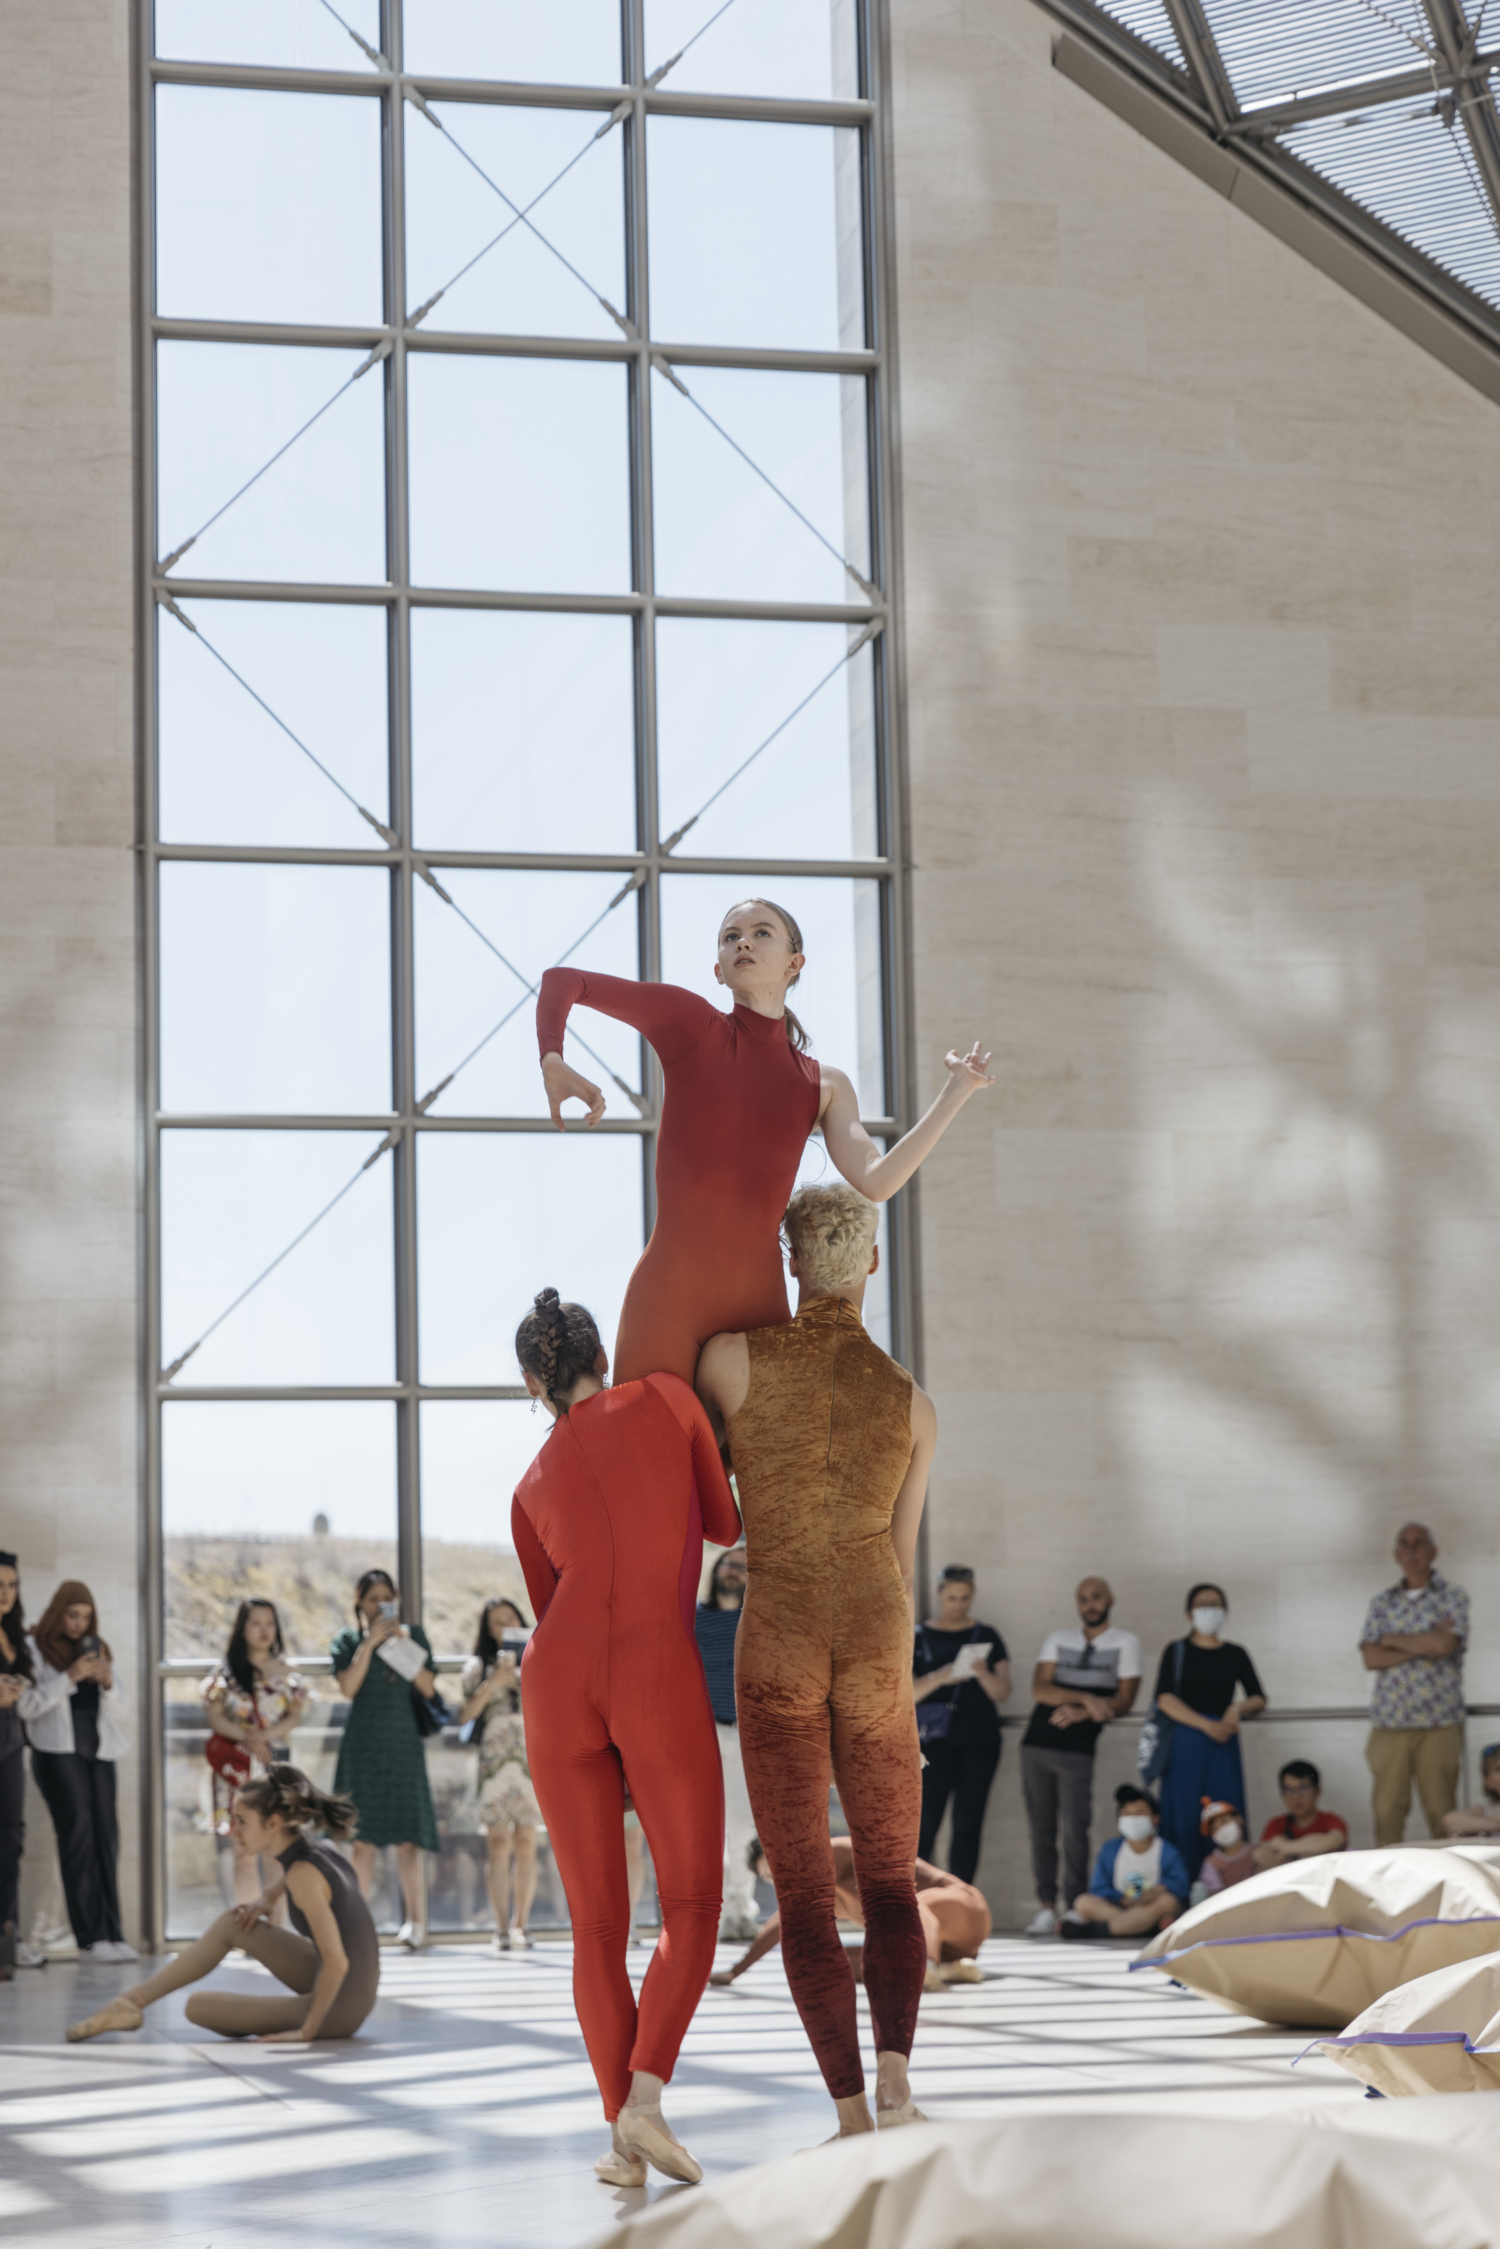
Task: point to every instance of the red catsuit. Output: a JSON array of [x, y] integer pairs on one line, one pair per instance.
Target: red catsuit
[[609, 1523], [740, 1102]]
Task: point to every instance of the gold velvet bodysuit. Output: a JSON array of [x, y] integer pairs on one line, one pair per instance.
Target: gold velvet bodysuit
[[823, 1667]]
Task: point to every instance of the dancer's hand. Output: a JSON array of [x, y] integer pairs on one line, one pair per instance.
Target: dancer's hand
[[566, 1084], [968, 1072], [257, 1909], [722, 1976]]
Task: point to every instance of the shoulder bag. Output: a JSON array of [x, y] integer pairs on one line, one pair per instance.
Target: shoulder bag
[[933, 1717], [1154, 1748]]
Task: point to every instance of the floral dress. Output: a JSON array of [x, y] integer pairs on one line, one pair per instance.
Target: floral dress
[[506, 1795], [274, 1703]]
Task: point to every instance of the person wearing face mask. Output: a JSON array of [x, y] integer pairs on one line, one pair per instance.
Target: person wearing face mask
[[1196, 1685], [1140, 1883], [1232, 1858]]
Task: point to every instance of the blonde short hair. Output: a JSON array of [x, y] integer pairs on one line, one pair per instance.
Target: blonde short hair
[[831, 1233]]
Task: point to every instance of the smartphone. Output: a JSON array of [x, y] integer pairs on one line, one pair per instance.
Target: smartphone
[[388, 1609], [89, 1644], [514, 1637]]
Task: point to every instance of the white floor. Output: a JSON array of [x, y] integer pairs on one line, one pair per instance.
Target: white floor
[[466, 2114]]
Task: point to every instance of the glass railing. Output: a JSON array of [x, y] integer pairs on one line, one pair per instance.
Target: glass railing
[[199, 1858], [199, 1862]]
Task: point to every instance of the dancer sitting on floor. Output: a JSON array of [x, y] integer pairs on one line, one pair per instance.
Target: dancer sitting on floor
[[742, 1095], [330, 1957], [609, 1523], [832, 1442], [955, 1919]]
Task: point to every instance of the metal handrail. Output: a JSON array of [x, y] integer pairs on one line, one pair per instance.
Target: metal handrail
[[193, 1667]]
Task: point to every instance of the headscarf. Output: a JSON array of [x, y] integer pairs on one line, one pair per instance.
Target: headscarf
[[48, 1633]]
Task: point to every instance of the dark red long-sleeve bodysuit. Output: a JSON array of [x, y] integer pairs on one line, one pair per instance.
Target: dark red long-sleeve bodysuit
[[609, 1523], [740, 1102]]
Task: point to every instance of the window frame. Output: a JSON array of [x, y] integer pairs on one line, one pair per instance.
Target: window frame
[[392, 88]]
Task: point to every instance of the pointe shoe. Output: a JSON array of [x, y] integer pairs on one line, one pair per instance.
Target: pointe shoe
[[120, 2014], [945, 1972], [887, 2119], [643, 2132], [617, 2169]]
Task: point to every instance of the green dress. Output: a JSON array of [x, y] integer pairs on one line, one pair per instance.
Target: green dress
[[382, 1759]]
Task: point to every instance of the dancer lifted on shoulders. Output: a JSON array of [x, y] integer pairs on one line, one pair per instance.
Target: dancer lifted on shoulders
[[609, 1523], [742, 1096], [832, 1443]]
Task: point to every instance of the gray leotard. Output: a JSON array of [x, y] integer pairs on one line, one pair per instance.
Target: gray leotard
[[356, 1995]]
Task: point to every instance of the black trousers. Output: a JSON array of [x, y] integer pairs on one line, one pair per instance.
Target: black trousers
[[79, 1792], [964, 1771], [12, 1832]]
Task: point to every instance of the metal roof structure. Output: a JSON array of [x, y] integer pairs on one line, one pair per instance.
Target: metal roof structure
[[1378, 118]]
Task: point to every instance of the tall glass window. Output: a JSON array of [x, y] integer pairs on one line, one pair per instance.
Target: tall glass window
[[517, 548]]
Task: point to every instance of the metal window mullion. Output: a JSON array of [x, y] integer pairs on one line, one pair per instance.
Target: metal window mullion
[[153, 1812], [643, 539], [403, 963], [458, 597]]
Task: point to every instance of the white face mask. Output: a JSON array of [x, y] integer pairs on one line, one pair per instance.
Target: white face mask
[[1228, 1835], [1137, 1827], [1210, 1622]]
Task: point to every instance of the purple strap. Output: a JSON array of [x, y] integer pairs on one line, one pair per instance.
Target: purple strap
[[1301, 1936]]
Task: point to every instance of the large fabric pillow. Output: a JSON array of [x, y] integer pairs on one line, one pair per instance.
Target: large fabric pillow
[[1121, 2182], [1438, 2034], [1314, 1942]]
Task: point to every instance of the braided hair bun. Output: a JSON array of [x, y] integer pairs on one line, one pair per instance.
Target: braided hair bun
[[558, 1343], [286, 1794]]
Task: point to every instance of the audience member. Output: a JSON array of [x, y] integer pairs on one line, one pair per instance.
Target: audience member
[[1232, 1858], [958, 1719], [1302, 1831], [1414, 1640], [1140, 1881], [1482, 1818], [1085, 1675], [955, 1918], [253, 1701], [1195, 1688], [72, 1716], [716, 1624], [330, 1957], [15, 1679], [490, 1684], [382, 1762]]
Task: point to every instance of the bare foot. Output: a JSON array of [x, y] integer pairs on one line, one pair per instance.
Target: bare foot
[[120, 2014]]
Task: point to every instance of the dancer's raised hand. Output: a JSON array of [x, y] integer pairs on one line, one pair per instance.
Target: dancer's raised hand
[[968, 1072], [566, 1084]]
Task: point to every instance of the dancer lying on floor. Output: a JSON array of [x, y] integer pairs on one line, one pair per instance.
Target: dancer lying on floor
[[955, 1919], [330, 1957], [831, 1443], [742, 1095], [609, 1523]]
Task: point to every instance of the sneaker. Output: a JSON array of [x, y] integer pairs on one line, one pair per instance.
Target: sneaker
[[499, 1943], [56, 1940], [123, 1951], [29, 1955], [1074, 1928], [412, 1935], [103, 1950], [1043, 1924], [519, 1941]]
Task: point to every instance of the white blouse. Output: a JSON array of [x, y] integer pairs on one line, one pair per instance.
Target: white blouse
[[48, 1721]]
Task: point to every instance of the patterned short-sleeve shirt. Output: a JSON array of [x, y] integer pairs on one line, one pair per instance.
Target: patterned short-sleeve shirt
[[1429, 1690]]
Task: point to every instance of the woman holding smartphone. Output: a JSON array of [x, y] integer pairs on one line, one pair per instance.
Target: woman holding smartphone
[[252, 1702], [382, 1761], [72, 1717], [490, 1684]]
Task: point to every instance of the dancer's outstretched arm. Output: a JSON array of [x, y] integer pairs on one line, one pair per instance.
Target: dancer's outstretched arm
[[855, 1154]]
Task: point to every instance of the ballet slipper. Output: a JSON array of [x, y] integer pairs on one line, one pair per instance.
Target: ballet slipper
[[119, 2014], [961, 1971], [617, 2169], [934, 1980], [887, 2119], [642, 2132]]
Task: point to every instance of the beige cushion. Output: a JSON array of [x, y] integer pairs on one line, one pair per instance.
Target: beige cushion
[[1438, 2034], [1316, 1941], [1121, 2182]]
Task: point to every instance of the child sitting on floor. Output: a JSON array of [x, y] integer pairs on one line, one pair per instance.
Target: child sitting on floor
[[1482, 1818]]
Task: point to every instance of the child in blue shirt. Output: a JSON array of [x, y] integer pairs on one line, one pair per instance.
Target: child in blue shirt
[[1140, 1882]]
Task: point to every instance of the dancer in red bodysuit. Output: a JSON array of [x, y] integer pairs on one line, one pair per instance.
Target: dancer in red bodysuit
[[609, 1523], [742, 1096]]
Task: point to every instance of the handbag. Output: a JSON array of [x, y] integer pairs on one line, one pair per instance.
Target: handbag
[[231, 1760], [1154, 1749], [432, 1713], [933, 1717]]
